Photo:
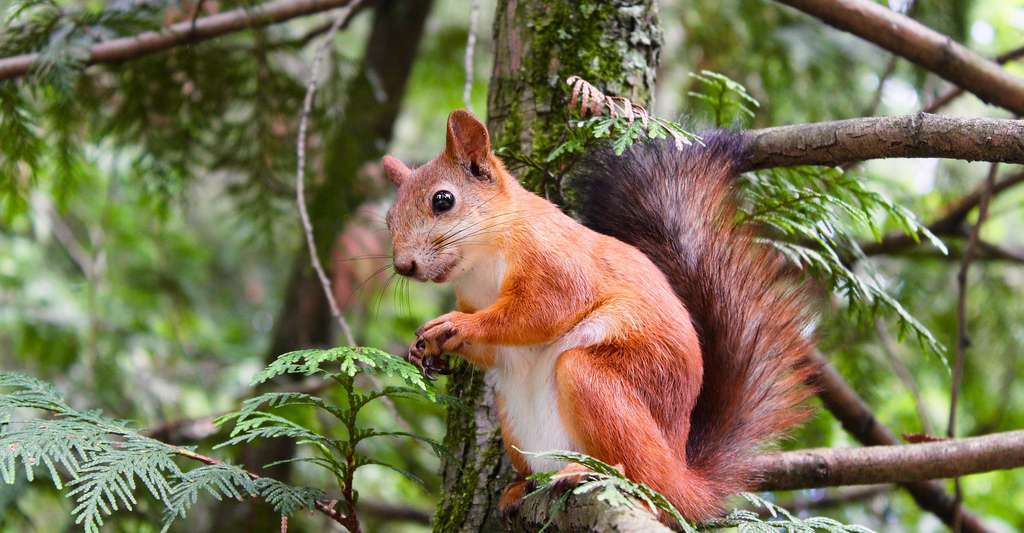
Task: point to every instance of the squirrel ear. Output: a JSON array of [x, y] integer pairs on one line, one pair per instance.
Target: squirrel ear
[[395, 170], [467, 141]]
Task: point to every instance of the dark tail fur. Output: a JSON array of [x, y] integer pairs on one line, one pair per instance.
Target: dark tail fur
[[678, 207]]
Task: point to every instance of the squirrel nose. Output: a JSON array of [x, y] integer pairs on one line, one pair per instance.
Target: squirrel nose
[[405, 267]]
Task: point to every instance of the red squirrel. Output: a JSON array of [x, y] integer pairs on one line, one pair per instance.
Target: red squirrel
[[661, 338]]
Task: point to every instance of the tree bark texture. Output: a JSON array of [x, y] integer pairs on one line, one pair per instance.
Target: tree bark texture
[[835, 467], [912, 40], [829, 467], [859, 139], [538, 45]]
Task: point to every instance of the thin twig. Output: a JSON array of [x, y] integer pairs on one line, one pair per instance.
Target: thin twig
[[962, 338], [889, 348], [300, 194], [467, 87], [300, 173]]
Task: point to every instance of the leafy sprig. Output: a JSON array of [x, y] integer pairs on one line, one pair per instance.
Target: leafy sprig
[[101, 461], [813, 216], [728, 101]]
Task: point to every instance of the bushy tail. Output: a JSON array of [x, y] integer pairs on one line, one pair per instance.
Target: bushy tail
[[678, 207]]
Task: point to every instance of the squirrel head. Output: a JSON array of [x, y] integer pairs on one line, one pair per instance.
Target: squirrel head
[[444, 215]]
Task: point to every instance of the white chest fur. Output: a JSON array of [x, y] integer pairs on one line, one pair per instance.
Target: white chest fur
[[525, 379], [525, 375]]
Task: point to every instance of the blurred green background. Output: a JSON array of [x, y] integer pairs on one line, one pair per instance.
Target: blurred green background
[[148, 235]]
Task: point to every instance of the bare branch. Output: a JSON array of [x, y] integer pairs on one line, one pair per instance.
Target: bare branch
[[186, 32], [949, 224], [920, 135], [856, 417], [986, 251], [300, 174], [833, 467], [962, 339], [910, 39], [944, 99]]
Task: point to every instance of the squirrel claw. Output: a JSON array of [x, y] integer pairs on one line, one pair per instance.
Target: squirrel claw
[[430, 363]]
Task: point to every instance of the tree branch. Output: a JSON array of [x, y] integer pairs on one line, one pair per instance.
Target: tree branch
[[920, 135], [834, 467], [300, 175], [856, 417], [909, 464], [185, 32], [944, 99], [949, 224], [936, 52]]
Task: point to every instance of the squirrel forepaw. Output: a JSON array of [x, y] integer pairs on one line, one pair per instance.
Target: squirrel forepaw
[[435, 338], [443, 334]]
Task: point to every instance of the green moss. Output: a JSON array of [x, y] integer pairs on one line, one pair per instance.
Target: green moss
[[611, 43]]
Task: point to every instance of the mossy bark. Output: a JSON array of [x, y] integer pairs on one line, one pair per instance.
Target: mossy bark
[[614, 44]]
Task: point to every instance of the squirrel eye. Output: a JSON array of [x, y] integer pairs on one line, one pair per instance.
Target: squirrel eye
[[442, 201]]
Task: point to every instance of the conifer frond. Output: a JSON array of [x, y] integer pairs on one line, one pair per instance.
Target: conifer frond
[[107, 482], [611, 485], [264, 425], [343, 361], [220, 481], [106, 460], [814, 214], [288, 499]]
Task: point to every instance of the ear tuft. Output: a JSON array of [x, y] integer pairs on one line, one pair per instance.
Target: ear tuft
[[467, 139], [395, 170]]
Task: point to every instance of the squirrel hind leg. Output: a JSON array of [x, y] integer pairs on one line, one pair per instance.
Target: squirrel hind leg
[[610, 422]]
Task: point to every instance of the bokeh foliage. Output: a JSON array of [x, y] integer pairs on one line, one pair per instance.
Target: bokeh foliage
[[147, 229]]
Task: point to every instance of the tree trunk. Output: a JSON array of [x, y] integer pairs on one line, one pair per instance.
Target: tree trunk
[[538, 45], [368, 119]]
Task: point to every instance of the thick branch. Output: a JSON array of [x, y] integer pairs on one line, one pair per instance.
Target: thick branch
[[581, 513], [833, 467], [908, 38], [920, 135], [202, 29]]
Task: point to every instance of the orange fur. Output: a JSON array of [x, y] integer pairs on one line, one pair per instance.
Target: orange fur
[[529, 280]]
